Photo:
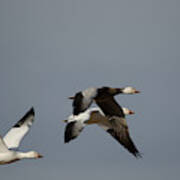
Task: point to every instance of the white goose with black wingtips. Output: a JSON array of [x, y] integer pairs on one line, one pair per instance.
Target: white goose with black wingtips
[[13, 139]]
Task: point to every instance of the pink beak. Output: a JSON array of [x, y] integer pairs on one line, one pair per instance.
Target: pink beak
[[131, 112], [40, 156], [137, 91], [71, 97]]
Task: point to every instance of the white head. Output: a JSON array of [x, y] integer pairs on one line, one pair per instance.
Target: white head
[[31, 154], [127, 111], [130, 90]]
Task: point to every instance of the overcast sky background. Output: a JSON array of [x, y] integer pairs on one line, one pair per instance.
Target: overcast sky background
[[51, 49]]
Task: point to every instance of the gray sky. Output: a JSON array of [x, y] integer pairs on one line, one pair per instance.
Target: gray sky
[[51, 49]]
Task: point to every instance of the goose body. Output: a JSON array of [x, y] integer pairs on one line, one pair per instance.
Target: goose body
[[13, 139], [115, 126], [83, 99]]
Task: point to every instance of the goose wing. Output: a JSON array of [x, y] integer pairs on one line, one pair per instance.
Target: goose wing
[[14, 136], [119, 130], [109, 106], [78, 104], [72, 130], [117, 126], [83, 99], [3, 147]]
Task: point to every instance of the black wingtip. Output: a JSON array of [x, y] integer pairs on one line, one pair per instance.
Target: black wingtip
[[138, 155], [21, 121], [31, 111], [134, 151], [67, 139], [129, 145], [68, 135]]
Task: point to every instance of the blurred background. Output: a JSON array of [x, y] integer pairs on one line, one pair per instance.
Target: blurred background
[[49, 50]]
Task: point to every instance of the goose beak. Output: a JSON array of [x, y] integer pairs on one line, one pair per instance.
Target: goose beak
[[136, 91], [71, 97], [131, 112], [39, 156], [65, 121]]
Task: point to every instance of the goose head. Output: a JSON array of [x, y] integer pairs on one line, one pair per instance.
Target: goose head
[[32, 154], [127, 111], [130, 90]]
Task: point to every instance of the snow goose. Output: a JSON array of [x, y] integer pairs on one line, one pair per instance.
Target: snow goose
[[115, 126], [83, 99], [13, 139]]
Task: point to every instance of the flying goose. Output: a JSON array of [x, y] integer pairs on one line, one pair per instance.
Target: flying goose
[[13, 139], [116, 117], [83, 99], [115, 126], [76, 123]]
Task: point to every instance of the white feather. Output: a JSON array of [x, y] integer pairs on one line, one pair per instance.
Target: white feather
[[15, 135], [88, 96], [3, 147], [13, 138]]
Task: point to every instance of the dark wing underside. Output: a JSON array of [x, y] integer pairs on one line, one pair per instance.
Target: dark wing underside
[[109, 106], [25, 118], [119, 131], [81, 103], [77, 103], [73, 129]]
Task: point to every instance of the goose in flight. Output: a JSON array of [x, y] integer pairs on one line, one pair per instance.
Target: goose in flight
[[13, 139], [83, 99], [119, 128], [114, 125]]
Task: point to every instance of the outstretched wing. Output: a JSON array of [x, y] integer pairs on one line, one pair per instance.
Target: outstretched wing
[[83, 100], [119, 130], [14, 136], [73, 129], [78, 104]]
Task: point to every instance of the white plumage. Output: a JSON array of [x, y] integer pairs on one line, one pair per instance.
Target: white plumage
[[13, 139], [3, 146], [14, 136]]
